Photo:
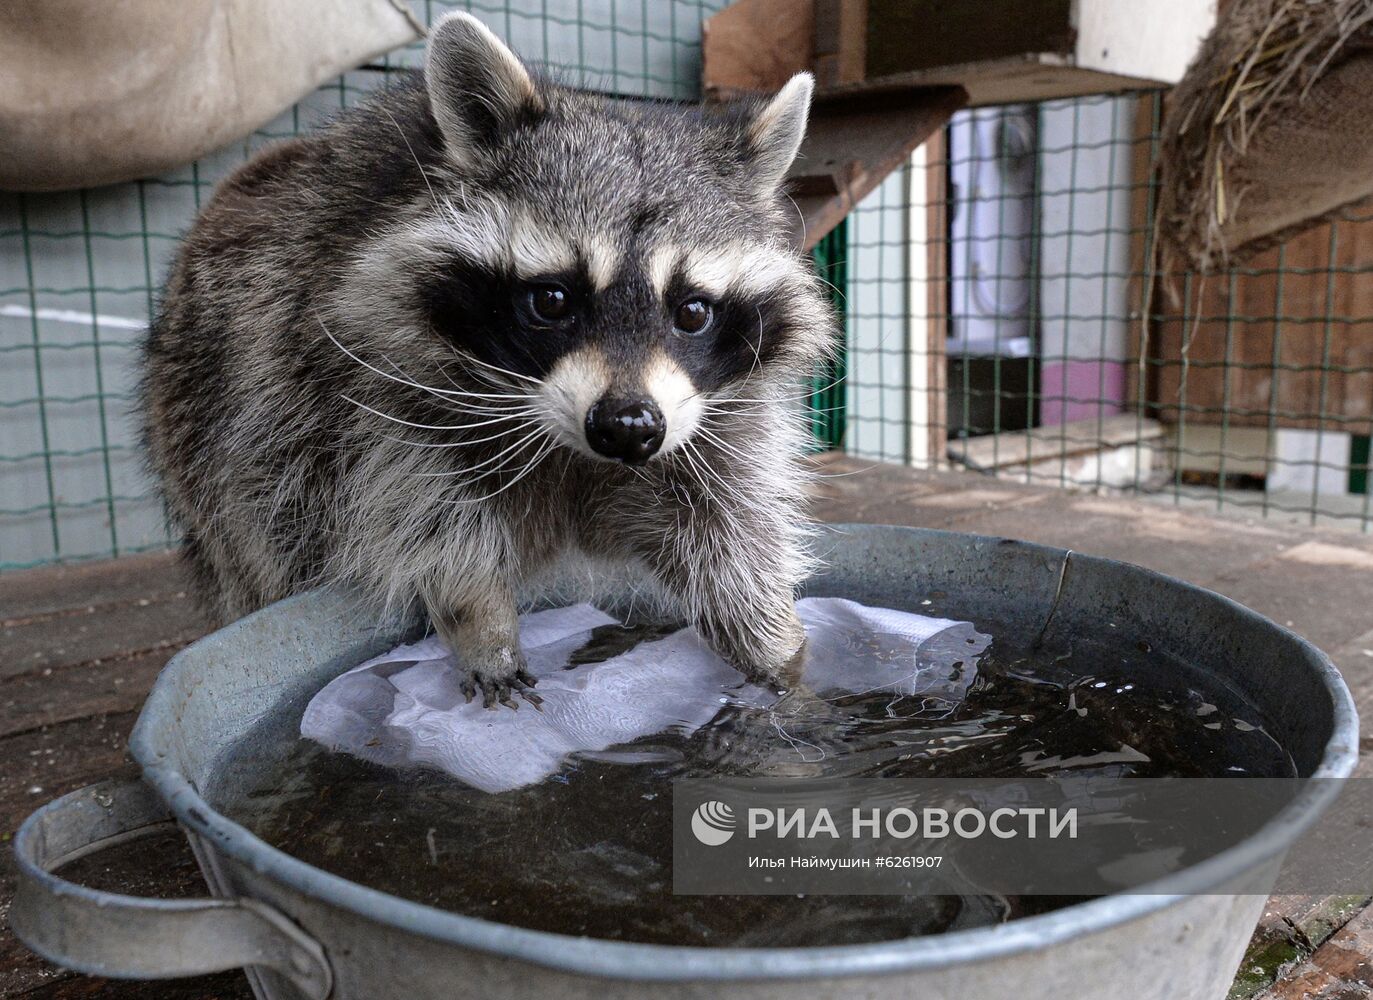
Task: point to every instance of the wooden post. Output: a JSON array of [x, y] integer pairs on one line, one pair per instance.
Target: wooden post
[[841, 41], [1144, 286]]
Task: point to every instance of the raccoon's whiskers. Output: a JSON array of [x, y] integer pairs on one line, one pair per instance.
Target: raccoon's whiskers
[[490, 382], [470, 359], [776, 399], [512, 414], [463, 487], [452, 444], [468, 409], [757, 358], [700, 468], [709, 477], [800, 215], [448, 473], [404, 379], [690, 455], [830, 285], [545, 449], [548, 449], [441, 445], [725, 446], [482, 378]]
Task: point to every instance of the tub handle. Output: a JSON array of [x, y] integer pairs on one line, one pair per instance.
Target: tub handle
[[127, 937]]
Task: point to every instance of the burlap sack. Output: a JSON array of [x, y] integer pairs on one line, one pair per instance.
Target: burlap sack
[[97, 92], [1268, 133]]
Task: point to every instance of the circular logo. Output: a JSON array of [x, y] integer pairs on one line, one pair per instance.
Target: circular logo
[[713, 823]]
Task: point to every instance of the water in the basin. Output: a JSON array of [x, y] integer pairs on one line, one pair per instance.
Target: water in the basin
[[588, 851]]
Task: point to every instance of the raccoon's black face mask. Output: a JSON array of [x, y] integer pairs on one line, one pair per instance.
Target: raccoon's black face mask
[[626, 263]]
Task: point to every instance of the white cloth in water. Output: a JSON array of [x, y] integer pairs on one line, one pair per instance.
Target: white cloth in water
[[406, 707]]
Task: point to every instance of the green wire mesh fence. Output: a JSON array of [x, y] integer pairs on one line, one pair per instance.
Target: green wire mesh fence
[[827, 402], [79, 273], [994, 295], [1012, 314]]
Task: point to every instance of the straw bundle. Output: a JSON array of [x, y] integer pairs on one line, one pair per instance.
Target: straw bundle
[[1269, 132]]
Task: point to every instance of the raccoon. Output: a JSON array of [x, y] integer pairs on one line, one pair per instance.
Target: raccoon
[[484, 322]]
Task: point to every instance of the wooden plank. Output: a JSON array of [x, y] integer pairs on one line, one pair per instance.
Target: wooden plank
[[1142, 283], [48, 698], [1320, 586], [1340, 969], [1012, 80], [928, 34], [30, 592], [825, 56], [1295, 354], [853, 143], [1077, 437], [756, 46], [1000, 51], [841, 41], [1149, 39], [97, 633], [1355, 660], [858, 490], [1290, 932], [45, 763], [936, 185]]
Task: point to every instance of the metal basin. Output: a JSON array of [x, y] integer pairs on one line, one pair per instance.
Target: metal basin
[[304, 932]]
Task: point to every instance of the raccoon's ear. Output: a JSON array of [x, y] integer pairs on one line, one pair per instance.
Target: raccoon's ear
[[776, 132], [477, 87]]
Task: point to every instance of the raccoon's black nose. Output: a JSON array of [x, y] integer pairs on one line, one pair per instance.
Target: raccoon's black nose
[[630, 430]]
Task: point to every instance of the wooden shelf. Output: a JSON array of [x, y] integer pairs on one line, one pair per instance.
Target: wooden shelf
[[999, 51], [853, 143]]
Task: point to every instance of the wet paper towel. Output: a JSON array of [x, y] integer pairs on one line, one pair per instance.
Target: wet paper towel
[[406, 708]]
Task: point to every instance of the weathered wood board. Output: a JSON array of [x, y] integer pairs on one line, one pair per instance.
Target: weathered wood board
[[1285, 341]]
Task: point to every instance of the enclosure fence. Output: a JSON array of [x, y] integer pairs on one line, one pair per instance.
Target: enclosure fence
[[1011, 310], [79, 273], [1005, 311]]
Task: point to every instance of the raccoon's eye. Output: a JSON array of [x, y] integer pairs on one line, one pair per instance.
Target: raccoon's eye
[[693, 316], [550, 303]]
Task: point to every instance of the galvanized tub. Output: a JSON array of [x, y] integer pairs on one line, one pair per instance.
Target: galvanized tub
[[303, 932]]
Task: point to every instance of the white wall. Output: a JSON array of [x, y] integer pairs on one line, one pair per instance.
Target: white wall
[[878, 425], [1086, 164]]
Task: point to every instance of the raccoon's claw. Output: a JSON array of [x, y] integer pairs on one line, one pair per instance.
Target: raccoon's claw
[[523, 684], [502, 690], [495, 692]]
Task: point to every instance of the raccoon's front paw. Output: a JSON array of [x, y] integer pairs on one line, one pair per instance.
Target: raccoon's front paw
[[499, 677], [780, 662], [778, 672]]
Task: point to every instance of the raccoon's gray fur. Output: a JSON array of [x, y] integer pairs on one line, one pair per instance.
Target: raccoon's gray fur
[[397, 354]]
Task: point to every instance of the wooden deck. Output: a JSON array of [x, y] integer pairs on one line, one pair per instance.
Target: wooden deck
[[79, 647]]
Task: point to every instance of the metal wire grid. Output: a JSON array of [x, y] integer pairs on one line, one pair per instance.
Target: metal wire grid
[[79, 273], [1248, 391]]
